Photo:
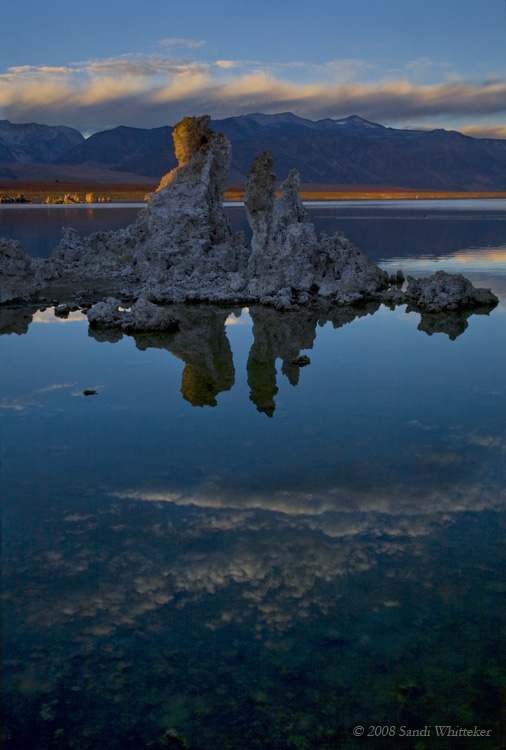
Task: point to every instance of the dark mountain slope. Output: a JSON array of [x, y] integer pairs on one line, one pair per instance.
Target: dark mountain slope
[[120, 146], [351, 151], [30, 142]]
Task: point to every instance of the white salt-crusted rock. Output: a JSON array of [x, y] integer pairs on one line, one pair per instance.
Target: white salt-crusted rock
[[443, 292]]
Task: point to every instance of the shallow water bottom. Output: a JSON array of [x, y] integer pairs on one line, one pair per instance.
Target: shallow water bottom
[[131, 620], [322, 551]]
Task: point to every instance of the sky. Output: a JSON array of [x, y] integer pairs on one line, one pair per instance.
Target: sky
[[402, 63]]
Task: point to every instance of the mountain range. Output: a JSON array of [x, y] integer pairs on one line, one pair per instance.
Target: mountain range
[[33, 143], [347, 152]]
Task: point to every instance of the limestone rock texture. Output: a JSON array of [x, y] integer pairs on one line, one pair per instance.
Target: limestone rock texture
[[289, 261], [181, 246], [142, 316], [16, 273], [446, 292]]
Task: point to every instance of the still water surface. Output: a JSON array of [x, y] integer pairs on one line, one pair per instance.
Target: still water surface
[[221, 549]]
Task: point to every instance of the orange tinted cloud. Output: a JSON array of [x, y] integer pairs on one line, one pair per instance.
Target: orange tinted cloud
[[485, 132]]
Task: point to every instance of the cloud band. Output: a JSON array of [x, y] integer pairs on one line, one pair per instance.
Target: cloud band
[[149, 91]]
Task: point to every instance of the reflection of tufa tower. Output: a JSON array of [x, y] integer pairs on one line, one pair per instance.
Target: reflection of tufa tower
[[203, 344], [276, 335]]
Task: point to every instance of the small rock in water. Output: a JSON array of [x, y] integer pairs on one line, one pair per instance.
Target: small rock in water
[[63, 310], [90, 392], [301, 360], [443, 292]]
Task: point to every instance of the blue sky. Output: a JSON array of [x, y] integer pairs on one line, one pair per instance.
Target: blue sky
[[98, 64]]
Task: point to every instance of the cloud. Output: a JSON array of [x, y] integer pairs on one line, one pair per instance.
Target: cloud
[[178, 42], [421, 66], [40, 69], [477, 131], [228, 63], [153, 90]]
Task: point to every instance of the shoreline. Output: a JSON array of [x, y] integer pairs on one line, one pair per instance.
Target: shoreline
[[37, 193], [310, 202]]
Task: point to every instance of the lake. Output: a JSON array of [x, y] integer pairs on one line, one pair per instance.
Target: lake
[[220, 548]]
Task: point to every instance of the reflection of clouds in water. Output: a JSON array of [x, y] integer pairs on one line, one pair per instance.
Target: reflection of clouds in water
[[48, 316], [56, 387], [273, 577], [239, 318], [35, 400], [447, 476], [266, 556], [488, 441], [394, 499], [266, 560], [16, 404], [281, 574]]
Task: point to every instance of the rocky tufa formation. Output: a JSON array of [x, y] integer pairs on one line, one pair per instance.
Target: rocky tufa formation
[[289, 262], [446, 292], [16, 273], [142, 315], [181, 249]]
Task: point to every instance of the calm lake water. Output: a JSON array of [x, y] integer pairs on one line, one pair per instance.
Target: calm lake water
[[220, 549]]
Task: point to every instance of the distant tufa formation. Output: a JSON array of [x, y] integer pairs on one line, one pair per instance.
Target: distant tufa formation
[[181, 249]]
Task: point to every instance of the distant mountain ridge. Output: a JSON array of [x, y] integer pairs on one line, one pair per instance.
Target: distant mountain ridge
[[30, 142], [350, 151]]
